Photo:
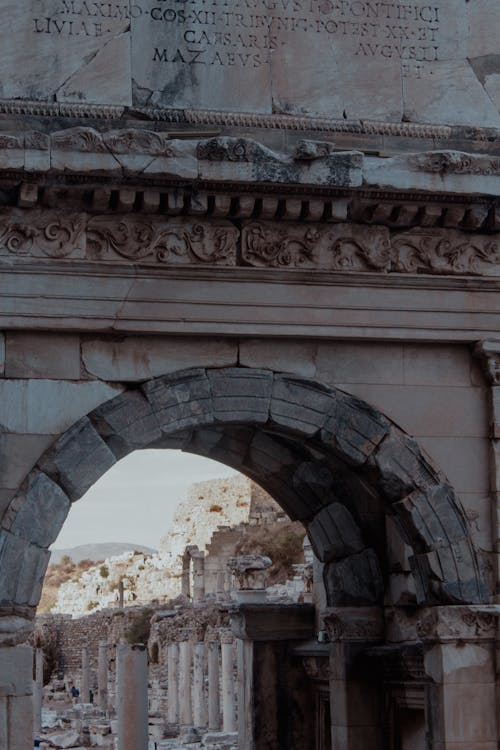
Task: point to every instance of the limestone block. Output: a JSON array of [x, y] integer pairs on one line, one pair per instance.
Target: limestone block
[[22, 568], [431, 518], [299, 405], [73, 49], [42, 510], [449, 573], [141, 358], [437, 365], [240, 395], [464, 664], [181, 401], [354, 581], [42, 355], [281, 356], [334, 534], [402, 467], [127, 422], [65, 740], [16, 671], [464, 461], [354, 429], [48, 407], [78, 459], [18, 455], [179, 160], [361, 362], [398, 551], [6, 496], [402, 590]]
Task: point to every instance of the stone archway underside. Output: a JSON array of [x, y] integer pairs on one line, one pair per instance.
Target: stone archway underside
[[331, 461]]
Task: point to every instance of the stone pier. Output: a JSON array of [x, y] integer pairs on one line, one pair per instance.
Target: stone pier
[[200, 718], [228, 707], [213, 686], [102, 675], [198, 562], [16, 698], [173, 682], [132, 696], [38, 691], [85, 680], [185, 699]]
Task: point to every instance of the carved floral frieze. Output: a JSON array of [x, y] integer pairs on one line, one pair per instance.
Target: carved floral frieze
[[342, 247], [140, 239], [351, 247], [42, 234]]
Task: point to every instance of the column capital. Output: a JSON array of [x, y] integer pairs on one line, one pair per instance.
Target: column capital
[[459, 623], [488, 352], [354, 624]]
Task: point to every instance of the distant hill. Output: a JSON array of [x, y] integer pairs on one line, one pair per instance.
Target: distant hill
[[96, 552]]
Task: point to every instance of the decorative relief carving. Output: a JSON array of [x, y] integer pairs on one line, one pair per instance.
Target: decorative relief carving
[[455, 162], [489, 353], [42, 234], [364, 624], [458, 623], [79, 139], [349, 247], [140, 239], [281, 247], [137, 141]]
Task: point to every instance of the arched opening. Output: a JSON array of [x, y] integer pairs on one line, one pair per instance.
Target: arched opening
[[329, 459]]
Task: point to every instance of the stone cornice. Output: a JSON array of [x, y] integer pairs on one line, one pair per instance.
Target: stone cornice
[[242, 119]]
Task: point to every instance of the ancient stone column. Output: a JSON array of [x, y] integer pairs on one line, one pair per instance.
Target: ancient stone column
[[228, 712], [186, 574], [38, 691], [185, 701], [16, 697], [132, 696], [173, 682], [199, 701], [213, 686], [85, 682], [459, 661], [198, 562], [121, 594], [102, 675]]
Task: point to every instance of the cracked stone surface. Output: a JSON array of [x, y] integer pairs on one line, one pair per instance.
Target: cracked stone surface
[[378, 61]]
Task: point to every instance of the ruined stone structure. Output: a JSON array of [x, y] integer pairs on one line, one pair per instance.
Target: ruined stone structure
[[268, 235]]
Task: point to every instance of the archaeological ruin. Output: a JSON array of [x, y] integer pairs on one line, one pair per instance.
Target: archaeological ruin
[[265, 232]]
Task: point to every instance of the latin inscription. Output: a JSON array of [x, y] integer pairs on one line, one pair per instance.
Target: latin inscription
[[247, 33]]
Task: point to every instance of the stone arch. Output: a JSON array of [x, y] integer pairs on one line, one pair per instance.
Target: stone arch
[[330, 459]]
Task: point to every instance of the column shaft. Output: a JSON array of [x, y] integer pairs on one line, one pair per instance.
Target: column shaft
[[213, 686], [185, 701], [132, 696], [85, 684], [228, 712], [102, 675], [38, 691], [173, 682], [199, 700]]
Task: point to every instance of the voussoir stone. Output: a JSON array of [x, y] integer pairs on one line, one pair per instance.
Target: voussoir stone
[[300, 405], [127, 422], [334, 533], [449, 574], [78, 459], [181, 401], [43, 510], [241, 395], [402, 467], [22, 568], [354, 429], [431, 519], [354, 581]]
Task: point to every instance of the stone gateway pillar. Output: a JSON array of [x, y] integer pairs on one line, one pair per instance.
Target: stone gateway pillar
[[16, 698], [173, 683], [85, 681], [102, 675], [132, 696], [38, 691]]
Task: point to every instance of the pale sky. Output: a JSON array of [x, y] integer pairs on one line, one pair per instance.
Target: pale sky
[[136, 499]]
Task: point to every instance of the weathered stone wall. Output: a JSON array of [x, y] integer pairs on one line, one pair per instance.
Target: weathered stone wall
[[434, 392], [374, 60]]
